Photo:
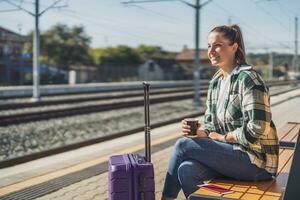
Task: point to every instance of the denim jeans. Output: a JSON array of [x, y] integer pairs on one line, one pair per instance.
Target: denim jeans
[[196, 160]]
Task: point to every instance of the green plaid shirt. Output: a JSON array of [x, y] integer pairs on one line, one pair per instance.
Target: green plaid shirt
[[247, 115]]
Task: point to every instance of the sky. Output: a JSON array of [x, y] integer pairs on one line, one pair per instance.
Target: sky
[[267, 25]]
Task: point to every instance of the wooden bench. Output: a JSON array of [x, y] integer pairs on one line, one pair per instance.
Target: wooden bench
[[266, 190]]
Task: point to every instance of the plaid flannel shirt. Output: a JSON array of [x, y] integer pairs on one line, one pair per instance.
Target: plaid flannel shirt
[[247, 115]]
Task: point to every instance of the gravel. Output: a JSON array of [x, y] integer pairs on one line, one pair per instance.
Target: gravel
[[24, 139]]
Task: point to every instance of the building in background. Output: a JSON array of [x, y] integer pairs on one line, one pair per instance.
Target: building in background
[[186, 59], [13, 62], [161, 69], [83, 74], [16, 64]]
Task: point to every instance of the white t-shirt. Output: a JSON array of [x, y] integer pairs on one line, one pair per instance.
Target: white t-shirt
[[223, 93]]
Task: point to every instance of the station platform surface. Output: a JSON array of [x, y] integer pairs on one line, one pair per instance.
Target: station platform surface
[[14, 179]]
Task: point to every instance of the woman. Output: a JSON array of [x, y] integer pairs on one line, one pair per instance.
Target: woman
[[239, 139]]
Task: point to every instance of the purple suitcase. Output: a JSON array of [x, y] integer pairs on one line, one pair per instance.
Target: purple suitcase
[[131, 177]]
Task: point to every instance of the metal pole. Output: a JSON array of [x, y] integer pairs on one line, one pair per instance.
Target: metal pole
[[271, 65], [296, 46], [147, 122], [229, 21], [36, 53], [197, 57]]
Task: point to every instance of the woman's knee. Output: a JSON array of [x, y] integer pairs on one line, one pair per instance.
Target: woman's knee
[[193, 170], [182, 143], [187, 170], [187, 176]]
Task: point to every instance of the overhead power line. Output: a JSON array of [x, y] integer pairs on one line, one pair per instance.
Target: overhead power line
[[251, 28], [272, 17], [118, 30], [154, 12]]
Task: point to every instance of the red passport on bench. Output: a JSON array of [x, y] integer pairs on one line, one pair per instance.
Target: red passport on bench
[[215, 188]]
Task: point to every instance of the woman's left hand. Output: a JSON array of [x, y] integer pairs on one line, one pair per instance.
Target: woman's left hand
[[216, 136]]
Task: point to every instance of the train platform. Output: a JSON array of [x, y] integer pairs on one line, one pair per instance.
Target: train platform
[[82, 173]]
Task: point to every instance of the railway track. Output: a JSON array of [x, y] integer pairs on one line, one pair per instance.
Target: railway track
[[6, 120], [91, 97], [105, 103], [108, 95]]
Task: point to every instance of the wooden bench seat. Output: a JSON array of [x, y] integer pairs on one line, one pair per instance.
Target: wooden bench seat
[[287, 134], [264, 190]]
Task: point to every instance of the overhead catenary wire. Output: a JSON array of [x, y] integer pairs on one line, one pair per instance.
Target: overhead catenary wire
[[156, 13], [110, 22], [272, 17], [287, 13], [116, 29], [251, 28], [289, 10]]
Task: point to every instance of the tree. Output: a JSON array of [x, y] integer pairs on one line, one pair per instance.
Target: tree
[[147, 52], [120, 55], [62, 46]]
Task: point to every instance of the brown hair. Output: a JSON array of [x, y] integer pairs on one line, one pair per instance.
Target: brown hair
[[234, 34]]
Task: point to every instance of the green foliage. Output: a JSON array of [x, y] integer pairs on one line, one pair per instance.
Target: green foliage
[[124, 55], [147, 52], [62, 46], [121, 54]]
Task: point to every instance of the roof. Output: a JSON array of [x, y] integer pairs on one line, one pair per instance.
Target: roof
[[189, 54], [8, 35]]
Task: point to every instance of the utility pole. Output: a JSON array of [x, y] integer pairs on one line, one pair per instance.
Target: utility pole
[[197, 57], [271, 65], [296, 48], [36, 55], [36, 42], [196, 73], [229, 21]]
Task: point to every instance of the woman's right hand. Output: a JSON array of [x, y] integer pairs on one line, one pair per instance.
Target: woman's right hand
[[185, 130]]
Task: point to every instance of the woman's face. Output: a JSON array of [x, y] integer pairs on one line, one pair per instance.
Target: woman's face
[[220, 53]]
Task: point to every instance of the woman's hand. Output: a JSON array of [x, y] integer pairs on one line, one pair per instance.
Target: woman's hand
[[186, 130], [228, 138], [216, 136]]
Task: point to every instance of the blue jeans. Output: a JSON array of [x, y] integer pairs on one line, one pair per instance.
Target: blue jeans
[[200, 159]]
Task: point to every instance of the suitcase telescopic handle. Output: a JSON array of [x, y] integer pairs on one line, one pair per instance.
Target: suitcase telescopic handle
[[147, 122]]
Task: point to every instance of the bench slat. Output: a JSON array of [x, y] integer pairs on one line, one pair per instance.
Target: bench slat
[[284, 130], [291, 134]]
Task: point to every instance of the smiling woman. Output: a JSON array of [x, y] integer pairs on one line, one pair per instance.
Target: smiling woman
[[226, 47], [238, 139]]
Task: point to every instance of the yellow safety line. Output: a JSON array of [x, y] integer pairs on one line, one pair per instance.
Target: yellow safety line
[[52, 175]]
